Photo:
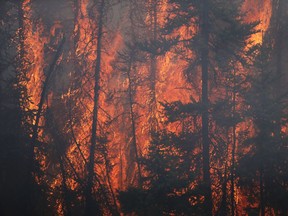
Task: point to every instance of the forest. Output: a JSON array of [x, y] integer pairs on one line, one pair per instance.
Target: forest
[[143, 107]]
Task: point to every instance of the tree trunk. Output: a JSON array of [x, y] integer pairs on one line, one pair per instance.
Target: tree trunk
[[132, 117], [43, 96], [91, 207], [153, 71], [262, 201], [21, 75], [66, 198], [223, 207], [204, 28], [233, 151], [278, 90], [133, 155]]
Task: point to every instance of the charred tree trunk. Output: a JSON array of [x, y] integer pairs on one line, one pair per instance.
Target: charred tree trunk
[[114, 208], [204, 28], [223, 207], [22, 67], [132, 117], [279, 39], [153, 69], [233, 150], [21, 34], [66, 199], [262, 200], [76, 82], [278, 91], [281, 36], [264, 134], [43, 97], [92, 208], [35, 127], [133, 152]]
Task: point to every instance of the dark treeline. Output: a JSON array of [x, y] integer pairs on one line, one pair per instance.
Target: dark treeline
[[155, 107]]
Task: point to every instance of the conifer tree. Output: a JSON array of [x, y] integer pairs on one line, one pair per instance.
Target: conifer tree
[[267, 100], [217, 43]]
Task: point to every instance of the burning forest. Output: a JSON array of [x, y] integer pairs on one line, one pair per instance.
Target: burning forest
[[143, 107]]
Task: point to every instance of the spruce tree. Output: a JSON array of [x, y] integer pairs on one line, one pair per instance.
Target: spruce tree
[[216, 44]]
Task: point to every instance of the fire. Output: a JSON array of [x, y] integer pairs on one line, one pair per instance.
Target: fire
[[167, 87], [34, 55], [258, 10], [170, 85]]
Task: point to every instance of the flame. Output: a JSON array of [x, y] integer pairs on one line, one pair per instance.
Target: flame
[[170, 86], [258, 10], [34, 55]]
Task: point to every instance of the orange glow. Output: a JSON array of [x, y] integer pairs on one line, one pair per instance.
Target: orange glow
[[170, 86], [34, 55], [258, 10]]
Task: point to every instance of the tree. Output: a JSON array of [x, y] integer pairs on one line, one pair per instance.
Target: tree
[[16, 182], [267, 100], [169, 187], [91, 206], [217, 41]]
